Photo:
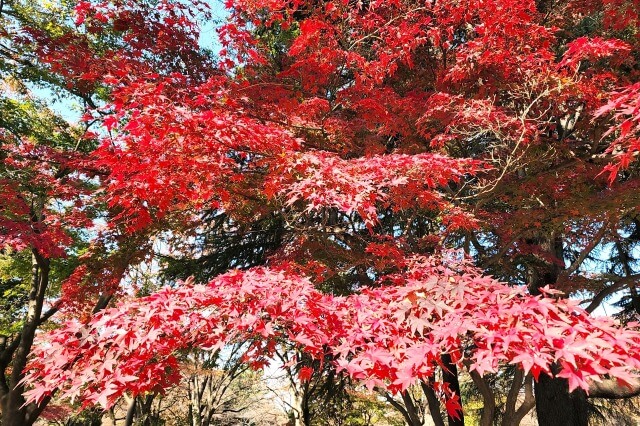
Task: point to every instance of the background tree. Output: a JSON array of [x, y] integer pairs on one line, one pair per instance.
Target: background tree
[[46, 176], [41, 224]]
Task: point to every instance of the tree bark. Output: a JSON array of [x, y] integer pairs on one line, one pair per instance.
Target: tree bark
[[513, 416], [488, 399], [555, 406], [433, 403], [400, 408], [196, 402], [131, 412], [12, 403], [450, 376], [411, 408]]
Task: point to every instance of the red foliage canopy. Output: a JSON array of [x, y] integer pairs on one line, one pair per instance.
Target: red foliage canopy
[[370, 109], [390, 337]]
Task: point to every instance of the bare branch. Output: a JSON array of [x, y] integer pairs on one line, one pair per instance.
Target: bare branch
[[488, 398], [613, 389], [608, 291], [588, 249]]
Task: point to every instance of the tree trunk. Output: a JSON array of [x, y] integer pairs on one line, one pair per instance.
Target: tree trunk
[[488, 399], [196, 403], [14, 412], [450, 376], [432, 402], [408, 413], [298, 409], [513, 416], [131, 412], [146, 409], [412, 412], [555, 406]]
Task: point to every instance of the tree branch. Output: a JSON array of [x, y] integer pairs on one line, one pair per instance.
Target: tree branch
[[588, 249], [102, 303], [488, 398], [612, 389], [7, 351], [505, 248], [607, 291], [51, 312]]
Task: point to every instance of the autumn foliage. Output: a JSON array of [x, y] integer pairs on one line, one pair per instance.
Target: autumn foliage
[[389, 337], [381, 135]]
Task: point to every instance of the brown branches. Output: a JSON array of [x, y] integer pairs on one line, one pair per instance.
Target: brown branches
[[612, 389]]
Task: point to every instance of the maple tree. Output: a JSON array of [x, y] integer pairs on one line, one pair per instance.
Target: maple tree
[[359, 141], [41, 219], [391, 336], [47, 180]]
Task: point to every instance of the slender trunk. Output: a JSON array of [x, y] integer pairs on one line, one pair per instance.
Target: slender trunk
[[14, 412], [450, 377], [433, 403], [112, 417], [146, 411], [401, 408], [306, 409], [196, 403], [513, 416], [131, 413], [298, 408], [488, 399], [512, 398], [411, 409]]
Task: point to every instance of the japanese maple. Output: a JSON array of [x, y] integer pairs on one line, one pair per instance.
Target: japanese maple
[[47, 180], [375, 133], [388, 337]]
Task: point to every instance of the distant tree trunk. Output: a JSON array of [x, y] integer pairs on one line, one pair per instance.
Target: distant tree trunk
[[302, 414], [195, 407], [298, 417]]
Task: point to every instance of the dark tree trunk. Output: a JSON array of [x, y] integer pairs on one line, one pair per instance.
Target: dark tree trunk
[[432, 402], [306, 409], [555, 406], [12, 415], [450, 376], [131, 412], [12, 403]]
